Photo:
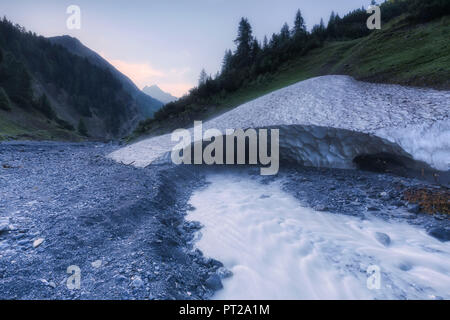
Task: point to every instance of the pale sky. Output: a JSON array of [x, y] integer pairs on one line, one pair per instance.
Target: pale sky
[[166, 42]]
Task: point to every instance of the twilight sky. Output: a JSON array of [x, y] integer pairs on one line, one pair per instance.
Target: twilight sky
[[166, 42]]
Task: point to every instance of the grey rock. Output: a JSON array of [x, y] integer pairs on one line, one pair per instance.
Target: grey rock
[[405, 266], [38, 242], [442, 234], [121, 279], [24, 242], [224, 273], [383, 238], [137, 282], [385, 196], [415, 208], [398, 203], [321, 208], [213, 282], [96, 264], [3, 245], [4, 228]]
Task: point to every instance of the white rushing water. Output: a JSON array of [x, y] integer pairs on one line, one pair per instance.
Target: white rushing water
[[278, 249]]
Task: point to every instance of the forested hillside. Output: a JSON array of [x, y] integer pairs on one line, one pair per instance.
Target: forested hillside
[[412, 48], [147, 105], [46, 90]]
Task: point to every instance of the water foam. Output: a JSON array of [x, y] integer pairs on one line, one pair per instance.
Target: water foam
[[278, 249]]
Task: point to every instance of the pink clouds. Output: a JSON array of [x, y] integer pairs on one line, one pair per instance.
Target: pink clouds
[[143, 74]]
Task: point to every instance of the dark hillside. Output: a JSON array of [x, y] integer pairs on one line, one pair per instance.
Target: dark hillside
[[412, 48], [45, 83]]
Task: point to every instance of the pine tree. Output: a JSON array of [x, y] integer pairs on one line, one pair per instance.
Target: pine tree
[[319, 31], [265, 43], [244, 42], [332, 18], [82, 128], [227, 61], [256, 49], [322, 25], [331, 28], [299, 25], [203, 77], [322, 30], [285, 33], [274, 41], [5, 103], [43, 105]]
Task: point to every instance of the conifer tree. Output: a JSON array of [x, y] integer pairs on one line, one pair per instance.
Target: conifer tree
[[203, 77], [285, 33], [82, 128], [5, 103], [299, 25], [244, 42], [265, 43], [227, 61]]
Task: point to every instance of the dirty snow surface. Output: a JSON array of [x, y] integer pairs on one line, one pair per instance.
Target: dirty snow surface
[[334, 118]]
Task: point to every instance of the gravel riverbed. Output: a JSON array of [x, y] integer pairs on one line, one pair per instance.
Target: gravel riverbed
[[67, 204]]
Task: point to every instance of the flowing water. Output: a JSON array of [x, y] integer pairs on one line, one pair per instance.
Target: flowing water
[[278, 249]]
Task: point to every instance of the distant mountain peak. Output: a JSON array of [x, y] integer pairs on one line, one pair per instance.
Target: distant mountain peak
[[155, 92]]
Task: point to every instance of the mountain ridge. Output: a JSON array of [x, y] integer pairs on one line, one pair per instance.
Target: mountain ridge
[[50, 93], [157, 93], [148, 104]]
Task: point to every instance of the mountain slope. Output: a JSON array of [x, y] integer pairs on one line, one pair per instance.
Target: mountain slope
[[403, 52], [400, 53], [50, 93], [155, 92], [147, 104]]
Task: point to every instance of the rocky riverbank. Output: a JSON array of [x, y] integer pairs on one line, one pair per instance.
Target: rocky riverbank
[[64, 204]]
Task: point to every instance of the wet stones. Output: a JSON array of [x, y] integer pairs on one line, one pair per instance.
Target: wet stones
[[224, 273], [321, 208], [384, 196], [38, 242], [4, 226], [383, 238], [440, 233], [96, 264], [213, 282], [136, 282], [414, 208]]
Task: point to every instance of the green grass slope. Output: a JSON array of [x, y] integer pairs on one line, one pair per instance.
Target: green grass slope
[[399, 53], [18, 125]]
